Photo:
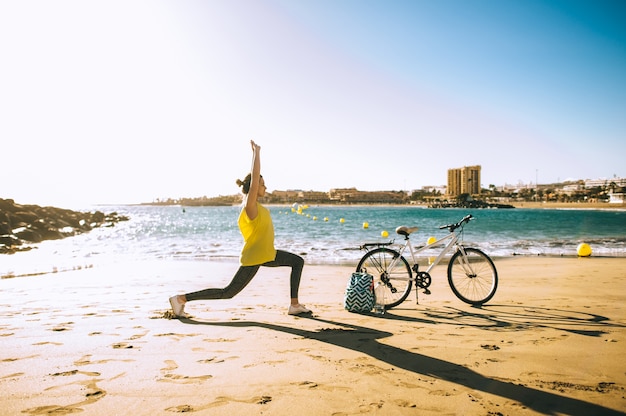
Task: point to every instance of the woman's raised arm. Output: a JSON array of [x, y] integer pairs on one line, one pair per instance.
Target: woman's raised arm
[[255, 181]]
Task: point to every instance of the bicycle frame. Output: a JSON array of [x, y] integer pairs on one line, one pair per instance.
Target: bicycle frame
[[453, 237], [450, 246]]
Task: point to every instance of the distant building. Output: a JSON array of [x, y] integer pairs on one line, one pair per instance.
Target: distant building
[[617, 198], [571, 189], [288, 195], [342, 194], [352, 195], [465, 180], [617, 182], [430, 189]]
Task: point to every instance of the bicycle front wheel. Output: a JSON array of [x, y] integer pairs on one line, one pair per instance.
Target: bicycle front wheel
[[472, 276], [392, 270]]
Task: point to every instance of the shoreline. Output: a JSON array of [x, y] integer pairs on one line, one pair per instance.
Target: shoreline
[[315, 263], [521, 205]]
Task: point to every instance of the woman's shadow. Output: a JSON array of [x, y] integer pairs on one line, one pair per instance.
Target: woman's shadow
[[364, 340]]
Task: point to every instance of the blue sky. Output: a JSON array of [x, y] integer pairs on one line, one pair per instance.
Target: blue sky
[[128, 101]]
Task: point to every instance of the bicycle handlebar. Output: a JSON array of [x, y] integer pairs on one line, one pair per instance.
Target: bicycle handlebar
[[459, 224]]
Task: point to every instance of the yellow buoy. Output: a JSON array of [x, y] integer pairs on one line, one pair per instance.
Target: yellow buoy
[[584, 250], [431, 240], [384, 234], [366, 224], [314, 218], [326, 219], [341, 220]]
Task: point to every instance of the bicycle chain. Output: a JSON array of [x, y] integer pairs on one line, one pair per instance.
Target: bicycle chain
[[423, 280]]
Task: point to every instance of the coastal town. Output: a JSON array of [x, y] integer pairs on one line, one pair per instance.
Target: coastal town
[[463, 188], [21, 225]]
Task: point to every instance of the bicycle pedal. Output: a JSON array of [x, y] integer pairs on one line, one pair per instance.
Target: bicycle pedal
[[426, 292]]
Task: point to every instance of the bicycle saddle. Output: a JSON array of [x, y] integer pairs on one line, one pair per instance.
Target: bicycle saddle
[[405, 231]]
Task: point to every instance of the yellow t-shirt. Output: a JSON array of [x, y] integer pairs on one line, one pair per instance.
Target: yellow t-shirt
[[258, 237]]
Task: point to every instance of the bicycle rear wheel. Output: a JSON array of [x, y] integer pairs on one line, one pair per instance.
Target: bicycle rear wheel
[[390, 268], [472, 276]]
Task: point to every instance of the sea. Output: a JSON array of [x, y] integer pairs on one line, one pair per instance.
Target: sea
[[321, 234]]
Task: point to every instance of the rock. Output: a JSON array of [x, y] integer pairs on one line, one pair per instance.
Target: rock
[[32, 224], [98, 217], [28, 234], [5, 228], [9, 240]]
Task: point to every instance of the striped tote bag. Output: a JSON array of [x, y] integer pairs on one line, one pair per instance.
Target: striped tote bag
[[359, 295]]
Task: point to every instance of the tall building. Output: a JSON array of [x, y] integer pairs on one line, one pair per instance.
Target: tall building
[[465, 180]]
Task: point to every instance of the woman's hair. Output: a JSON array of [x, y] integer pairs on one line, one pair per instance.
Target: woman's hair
[[245, 184]]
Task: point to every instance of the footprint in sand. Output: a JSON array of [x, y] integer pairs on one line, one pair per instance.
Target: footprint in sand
[[93, 394], [183, 408], [331, 388], [122, 345], [63, 327], [408, 385], [219, 401], [8, 360], [308, 384], [65, 373], [489, 347], [169, 376], [164, 315], [371, 407], [213, 360], [444, 393], [362, 365], [14, 375], [74, 372], [86, 360], [262, 363], [171, 365], [137, 336], [219, 340], [175, 336], [545, 340]]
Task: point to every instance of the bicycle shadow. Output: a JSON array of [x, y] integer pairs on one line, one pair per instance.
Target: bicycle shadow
[[511, 318], [364, 340]]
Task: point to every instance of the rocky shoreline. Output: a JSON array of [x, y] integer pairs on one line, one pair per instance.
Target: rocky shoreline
[[474, 204], [24, 225]]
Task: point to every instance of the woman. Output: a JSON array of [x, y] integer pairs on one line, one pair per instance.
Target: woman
[[255, 224]]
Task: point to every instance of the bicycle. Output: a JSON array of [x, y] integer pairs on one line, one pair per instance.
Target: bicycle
[[471, 273]]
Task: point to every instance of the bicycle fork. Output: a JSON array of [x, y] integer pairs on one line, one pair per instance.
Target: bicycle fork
[[465, 263]]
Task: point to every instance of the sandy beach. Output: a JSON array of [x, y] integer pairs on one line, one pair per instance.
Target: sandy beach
[[100, 341]]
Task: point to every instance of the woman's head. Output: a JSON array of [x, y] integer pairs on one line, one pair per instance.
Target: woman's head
[[245, 184]]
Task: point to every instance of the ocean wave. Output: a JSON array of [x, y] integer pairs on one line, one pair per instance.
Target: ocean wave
[[210, 233]]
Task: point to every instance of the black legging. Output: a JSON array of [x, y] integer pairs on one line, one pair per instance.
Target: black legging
[[245, 274]]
